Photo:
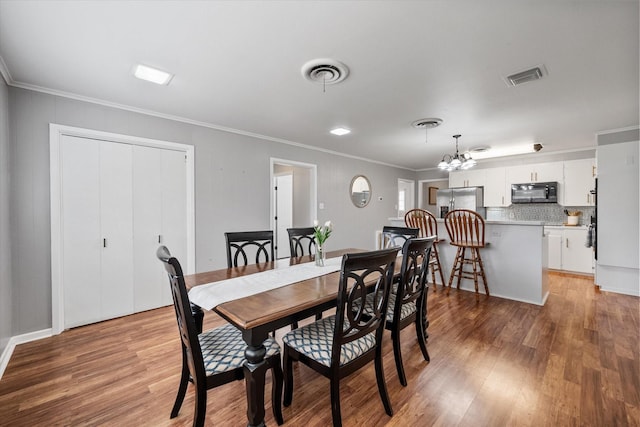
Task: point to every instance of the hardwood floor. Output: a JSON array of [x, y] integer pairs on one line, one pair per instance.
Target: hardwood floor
[[494, 362]]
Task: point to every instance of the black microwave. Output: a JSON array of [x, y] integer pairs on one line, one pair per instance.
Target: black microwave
[[535, 192]]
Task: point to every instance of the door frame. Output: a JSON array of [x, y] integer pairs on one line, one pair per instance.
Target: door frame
[[313, 199], [56, 132]]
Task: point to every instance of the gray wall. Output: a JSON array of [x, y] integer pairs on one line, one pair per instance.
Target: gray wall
[[5, 254], [232, 189]]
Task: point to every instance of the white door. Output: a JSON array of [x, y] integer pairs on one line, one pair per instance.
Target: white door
[[406, 198], [159, 213], [118, 202], [284, 213], [96, 230]]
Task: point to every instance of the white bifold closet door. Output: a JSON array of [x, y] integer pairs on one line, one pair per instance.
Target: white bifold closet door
[[159, 217], [118, 201]]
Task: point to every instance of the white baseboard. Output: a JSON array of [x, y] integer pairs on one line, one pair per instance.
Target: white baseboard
[[20, 339]]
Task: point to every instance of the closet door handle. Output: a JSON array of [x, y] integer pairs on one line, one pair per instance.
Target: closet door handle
[[104, 243], [159, 238]]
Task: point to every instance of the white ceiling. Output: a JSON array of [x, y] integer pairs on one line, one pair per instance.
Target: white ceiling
[[237, 65]]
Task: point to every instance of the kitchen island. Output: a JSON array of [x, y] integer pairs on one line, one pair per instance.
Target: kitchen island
[[515, 259]]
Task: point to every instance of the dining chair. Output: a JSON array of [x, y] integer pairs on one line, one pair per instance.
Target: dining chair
[[339, 345], [426, 222], [241, 246], [408, 301], [214, 357], [466, 231], [301, 241], [396, 236]]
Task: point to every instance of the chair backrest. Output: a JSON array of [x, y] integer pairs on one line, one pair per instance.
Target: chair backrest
[[186, 322], [301, 238], [465, 227], [242, 245], [396, 236], [413, 273], [422, 219], [360, 274]]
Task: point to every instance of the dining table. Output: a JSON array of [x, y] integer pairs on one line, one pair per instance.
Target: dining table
[[257, 314]]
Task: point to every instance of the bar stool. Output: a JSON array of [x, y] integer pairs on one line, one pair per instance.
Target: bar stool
[[466, 231], [426, 222]]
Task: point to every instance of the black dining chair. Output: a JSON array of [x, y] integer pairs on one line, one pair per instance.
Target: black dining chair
[[408, 301], [245, 245], [215, 357], [301, 241], [339, 345], [396, 236]]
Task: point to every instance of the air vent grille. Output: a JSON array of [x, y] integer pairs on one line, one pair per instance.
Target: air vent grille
[[525, 76]]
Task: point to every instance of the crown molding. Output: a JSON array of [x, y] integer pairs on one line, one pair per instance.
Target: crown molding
[[69, 95], [4, 71]]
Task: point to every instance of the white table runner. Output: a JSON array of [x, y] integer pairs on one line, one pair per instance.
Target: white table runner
[[209, 295]]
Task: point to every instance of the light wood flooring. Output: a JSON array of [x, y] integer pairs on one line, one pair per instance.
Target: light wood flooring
[[494, 362]]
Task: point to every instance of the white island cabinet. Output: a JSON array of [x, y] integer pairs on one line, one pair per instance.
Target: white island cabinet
[[515, 260]]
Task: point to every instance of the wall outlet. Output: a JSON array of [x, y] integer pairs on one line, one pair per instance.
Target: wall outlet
[[321, 205]]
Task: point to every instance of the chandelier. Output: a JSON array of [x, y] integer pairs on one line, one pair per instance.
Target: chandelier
[[457, 161]]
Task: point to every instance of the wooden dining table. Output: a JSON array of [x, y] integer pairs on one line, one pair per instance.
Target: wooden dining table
[[257, 315]]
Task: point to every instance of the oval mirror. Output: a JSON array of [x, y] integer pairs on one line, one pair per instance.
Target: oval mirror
[[360, 191]]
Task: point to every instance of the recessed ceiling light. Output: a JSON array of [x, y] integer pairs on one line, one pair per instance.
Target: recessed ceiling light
[[340, 131], [152, 75]]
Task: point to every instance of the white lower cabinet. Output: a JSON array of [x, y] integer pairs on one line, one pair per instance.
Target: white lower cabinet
[[566, 249]]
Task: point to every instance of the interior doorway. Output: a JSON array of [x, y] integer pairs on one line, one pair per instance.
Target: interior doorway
[[294, 202], [406, 196]]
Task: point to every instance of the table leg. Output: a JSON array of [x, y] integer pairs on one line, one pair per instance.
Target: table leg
[[255, 369]]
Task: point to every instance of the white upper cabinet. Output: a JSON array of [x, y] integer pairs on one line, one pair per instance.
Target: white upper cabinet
[[468, 178], [579, 180], [495, 188], [539, 172]]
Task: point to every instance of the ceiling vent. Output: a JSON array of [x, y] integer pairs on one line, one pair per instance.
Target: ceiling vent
[[526, 76], [325, 71], [426, 123]]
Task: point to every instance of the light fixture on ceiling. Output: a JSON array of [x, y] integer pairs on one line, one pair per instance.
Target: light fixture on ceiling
[[511, 150], [426, 124], [340, 131], [456, 161], [152, 75]]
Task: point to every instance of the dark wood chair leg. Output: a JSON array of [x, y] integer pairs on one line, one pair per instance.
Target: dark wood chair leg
[[484, 277], [276, 389], [397, 353], [200, 410], [318, 316], [335, 401], [287, 363], [294, 325], [382, 385], [182, 388], [421, 333]]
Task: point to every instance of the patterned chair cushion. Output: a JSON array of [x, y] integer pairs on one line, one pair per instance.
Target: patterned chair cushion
[[407, 309], [223, 349], [315, 341]]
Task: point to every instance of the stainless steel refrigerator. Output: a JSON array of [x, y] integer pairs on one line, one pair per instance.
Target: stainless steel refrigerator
[[471, 198]]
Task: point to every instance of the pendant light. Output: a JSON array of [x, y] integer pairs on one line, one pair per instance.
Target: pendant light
[[456, 161]]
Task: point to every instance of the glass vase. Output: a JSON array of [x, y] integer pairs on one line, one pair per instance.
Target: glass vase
[[320, 256]]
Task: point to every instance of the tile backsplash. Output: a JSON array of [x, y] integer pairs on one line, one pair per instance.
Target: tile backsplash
[[551, 213]]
